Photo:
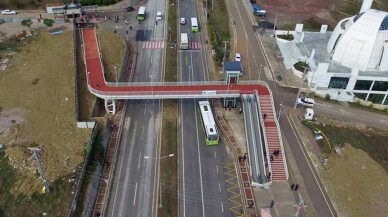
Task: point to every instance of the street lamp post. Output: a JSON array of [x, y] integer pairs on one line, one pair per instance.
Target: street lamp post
[[301, 83], [116, 73], [160, 184], [280, 111], [261, 67]]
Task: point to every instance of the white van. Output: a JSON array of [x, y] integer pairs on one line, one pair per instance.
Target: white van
[[159, 15]]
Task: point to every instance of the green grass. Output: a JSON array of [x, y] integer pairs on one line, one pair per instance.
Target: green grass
[[96, 155], [288, 37], [55, 204], [169, 167], [218, 24], [372, 142]]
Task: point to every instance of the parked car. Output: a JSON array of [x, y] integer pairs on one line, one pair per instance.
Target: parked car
[[129, 9], [306, 102], [8, 12], [183, 21], [237, 57], [253, 1]]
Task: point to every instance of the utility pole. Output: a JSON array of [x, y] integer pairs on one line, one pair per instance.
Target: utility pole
[[225, 49], [35, 152], [301, 83], [274, 26], [280, 111], [206, 11]]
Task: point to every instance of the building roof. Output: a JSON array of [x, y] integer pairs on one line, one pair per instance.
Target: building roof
[[232, 66], [362, 42], [55, 5]]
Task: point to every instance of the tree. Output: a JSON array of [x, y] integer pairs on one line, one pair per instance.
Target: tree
[[48, 22], [27, 22]]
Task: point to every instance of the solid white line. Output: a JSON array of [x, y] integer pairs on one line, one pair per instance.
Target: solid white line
[[217, 168], [138, 165], [134, 198], [183, 167], [308, 163], [120, 170], [199, 162], [219, 186], [215, 154], [142, 132], [222, 207]]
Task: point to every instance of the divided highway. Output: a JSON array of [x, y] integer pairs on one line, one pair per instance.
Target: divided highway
[[134, 185], [202, 185]]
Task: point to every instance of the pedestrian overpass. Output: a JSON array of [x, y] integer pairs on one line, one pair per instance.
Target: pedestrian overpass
[[269, 128]]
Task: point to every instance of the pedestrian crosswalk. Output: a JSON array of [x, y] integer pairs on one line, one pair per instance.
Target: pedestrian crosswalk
[[153, 45], [194, 45]]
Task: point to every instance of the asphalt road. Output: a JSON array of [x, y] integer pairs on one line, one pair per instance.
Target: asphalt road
[[134, 185], [202, 185], [252, 58]]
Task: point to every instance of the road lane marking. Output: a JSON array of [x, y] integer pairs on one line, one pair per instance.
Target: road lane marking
[[199, 162], [222, 207], [219, 186], [120, 170], [308, 163], [215, 154], [183, 166], [217, 168], [134, 198], [142, 133], [138, 165]]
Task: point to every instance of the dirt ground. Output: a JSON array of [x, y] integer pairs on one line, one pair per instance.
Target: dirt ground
[[37, 109], [356, 180], [293, 11]]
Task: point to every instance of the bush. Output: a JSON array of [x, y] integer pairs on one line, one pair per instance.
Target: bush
[[300, 66]]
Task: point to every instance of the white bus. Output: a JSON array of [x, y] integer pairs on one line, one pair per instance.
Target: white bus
[[141, 13], [184, 44], [208, 123], [194, 24]]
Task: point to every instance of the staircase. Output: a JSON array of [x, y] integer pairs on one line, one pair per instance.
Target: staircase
[[278, 165]]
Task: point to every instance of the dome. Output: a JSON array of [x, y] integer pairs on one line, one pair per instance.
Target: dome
[[359, 41]]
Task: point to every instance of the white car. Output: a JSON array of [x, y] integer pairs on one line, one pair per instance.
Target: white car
[[8, 12], [159, 16], [183, 21], [237, 57], [306, 102]]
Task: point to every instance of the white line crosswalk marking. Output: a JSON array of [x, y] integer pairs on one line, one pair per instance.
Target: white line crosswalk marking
[[153, 45]]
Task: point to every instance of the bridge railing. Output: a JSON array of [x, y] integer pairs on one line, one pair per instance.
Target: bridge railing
[[188, 83]]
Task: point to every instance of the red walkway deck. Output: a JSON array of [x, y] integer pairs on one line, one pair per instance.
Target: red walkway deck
[[99, 87]]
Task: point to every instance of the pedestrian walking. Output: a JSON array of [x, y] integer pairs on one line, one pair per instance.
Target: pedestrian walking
[[127, 32], [274, 152], [250, 204], [107, 164], [245, 158], [292, 187], [239, 159], [269, 176], [272, 204], [130, 27], [271, 158], [234, 22], [97, 84], [296, 187], [264, 116]]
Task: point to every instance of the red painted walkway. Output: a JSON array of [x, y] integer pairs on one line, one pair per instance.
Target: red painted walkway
[[273, 140], [97, 84]]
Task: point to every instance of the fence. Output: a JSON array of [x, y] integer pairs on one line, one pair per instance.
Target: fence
[[81, 177], [19, 20], [75, 56]]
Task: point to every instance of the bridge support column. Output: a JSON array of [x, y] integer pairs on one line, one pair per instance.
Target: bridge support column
[[110, 106]]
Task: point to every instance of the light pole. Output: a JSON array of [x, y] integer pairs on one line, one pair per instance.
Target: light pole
[[274, 26], [116, 73], [311, 81], [160, 184], [261, 67], [301, 83], [280, 111]]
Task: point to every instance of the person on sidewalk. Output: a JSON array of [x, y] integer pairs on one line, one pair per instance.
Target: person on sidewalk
[[239, 159], [271, 157], [272, 204], [245, 158]]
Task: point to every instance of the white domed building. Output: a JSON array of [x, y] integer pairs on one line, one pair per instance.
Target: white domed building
[[355, 61]]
